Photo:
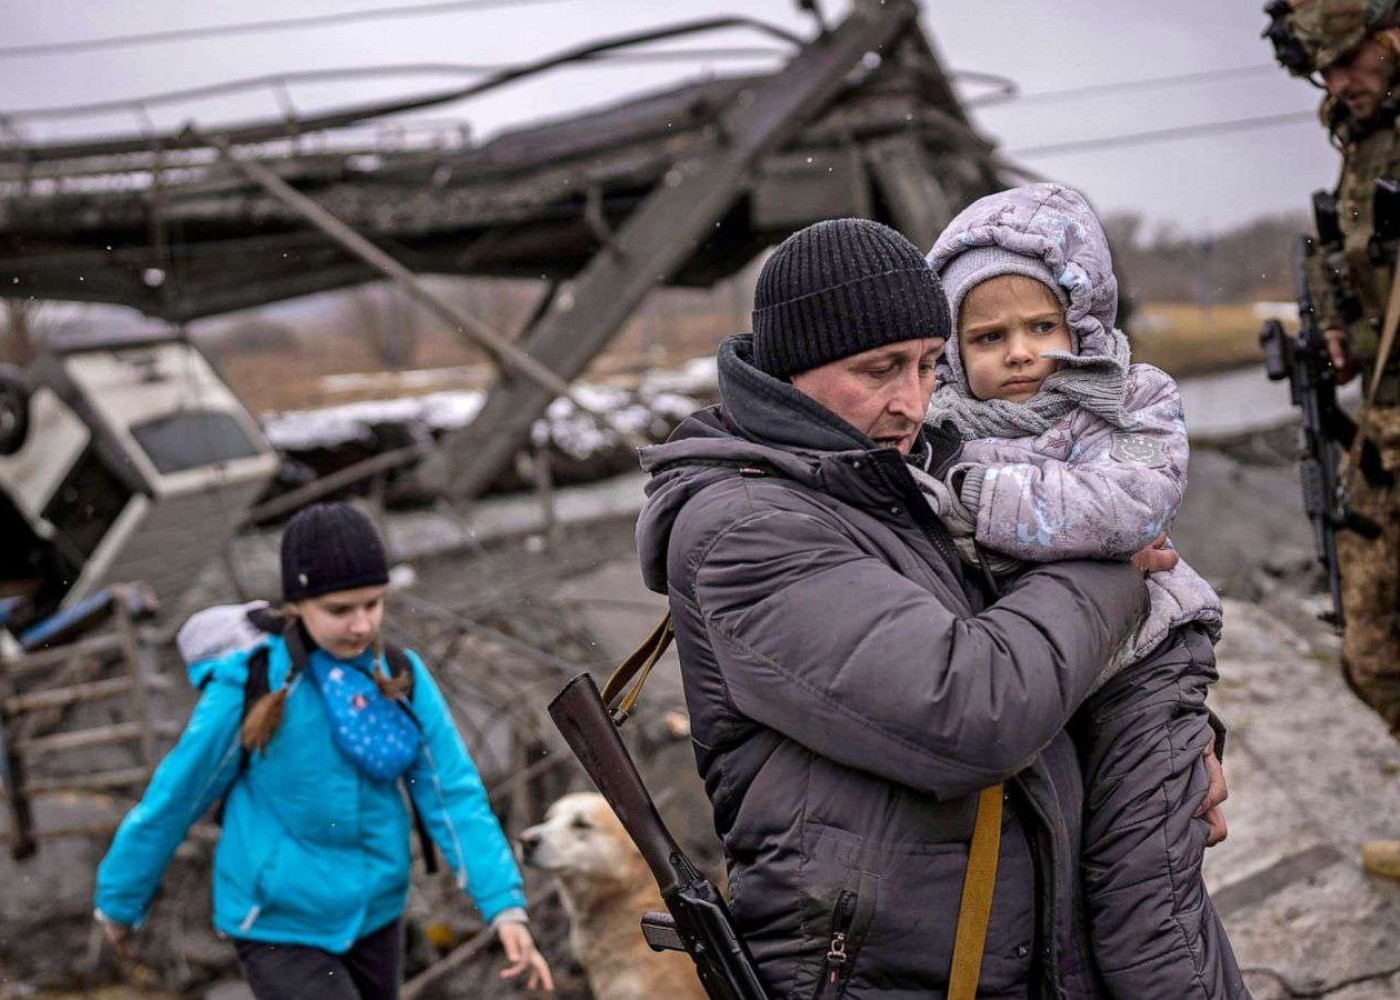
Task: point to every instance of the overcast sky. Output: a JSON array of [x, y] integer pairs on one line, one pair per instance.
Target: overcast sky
[[1199, 184]]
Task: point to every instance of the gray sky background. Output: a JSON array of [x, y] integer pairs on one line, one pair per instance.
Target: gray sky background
[[1197, 185]]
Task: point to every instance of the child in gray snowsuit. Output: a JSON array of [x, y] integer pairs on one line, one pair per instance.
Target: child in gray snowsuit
[[1072, 452]]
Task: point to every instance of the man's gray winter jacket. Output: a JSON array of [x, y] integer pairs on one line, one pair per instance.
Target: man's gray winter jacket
[[849, 694]]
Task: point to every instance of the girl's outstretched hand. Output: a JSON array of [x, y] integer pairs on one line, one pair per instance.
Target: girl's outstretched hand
[[117, 935], [523, 956]]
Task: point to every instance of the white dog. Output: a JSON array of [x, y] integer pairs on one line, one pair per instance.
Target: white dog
[[606, 888]]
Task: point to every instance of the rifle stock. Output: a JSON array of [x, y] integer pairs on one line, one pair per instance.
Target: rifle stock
[[699, 922]]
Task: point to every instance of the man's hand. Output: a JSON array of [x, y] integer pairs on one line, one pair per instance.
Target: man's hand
[[522, 955], [1209, 809], [1157, 557], [1339, 350]]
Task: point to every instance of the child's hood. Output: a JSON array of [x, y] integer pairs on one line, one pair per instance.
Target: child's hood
[[1054, 223]]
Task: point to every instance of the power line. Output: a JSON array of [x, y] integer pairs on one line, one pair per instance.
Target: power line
[[1167, 134], [259, 27], [1146, 83], [271, 130], [363, 72]]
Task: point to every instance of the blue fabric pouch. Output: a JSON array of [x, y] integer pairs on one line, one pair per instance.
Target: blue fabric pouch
[[379, 736]]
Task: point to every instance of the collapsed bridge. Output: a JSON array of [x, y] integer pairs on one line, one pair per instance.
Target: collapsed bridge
[[683, 187], [139, 464]]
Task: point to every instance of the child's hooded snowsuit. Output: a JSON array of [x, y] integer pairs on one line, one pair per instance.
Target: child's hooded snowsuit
[[1105, 478], [1095, 466]]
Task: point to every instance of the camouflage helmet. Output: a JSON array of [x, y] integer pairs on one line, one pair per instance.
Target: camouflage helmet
[[1322, 32]]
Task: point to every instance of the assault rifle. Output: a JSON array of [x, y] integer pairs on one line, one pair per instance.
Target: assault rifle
[[699, 922], [1330, 246], [1330, 251], [1327, 432]]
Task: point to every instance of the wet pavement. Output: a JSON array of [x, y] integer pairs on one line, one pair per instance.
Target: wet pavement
[[1312, 773], [1239, 401]]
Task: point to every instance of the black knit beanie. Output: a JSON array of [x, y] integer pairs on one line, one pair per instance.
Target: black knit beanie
[[329, 547], [839, 288]]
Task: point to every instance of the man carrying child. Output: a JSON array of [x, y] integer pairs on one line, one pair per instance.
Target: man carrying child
[[853, 685]]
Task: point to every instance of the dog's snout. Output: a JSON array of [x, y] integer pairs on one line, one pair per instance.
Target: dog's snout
[[529, 841]]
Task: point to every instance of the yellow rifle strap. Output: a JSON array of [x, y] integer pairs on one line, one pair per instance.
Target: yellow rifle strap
[[1387, 345], [975, 910], [638, 664]]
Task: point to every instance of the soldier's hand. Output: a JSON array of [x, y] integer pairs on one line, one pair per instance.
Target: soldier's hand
[[1339, 350]]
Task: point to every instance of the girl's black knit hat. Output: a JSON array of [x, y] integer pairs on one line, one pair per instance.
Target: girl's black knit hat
[[839, 288], [329, 547]]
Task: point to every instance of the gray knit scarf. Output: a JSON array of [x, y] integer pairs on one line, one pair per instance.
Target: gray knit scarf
[[1098, 383]]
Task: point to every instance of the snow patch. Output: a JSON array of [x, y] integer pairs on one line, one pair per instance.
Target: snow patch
[[299, 430], [662, 399]]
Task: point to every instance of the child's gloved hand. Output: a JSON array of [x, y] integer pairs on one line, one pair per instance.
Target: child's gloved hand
[[943, 500]]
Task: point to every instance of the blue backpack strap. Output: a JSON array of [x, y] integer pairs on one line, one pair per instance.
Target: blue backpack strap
[[398, 664]]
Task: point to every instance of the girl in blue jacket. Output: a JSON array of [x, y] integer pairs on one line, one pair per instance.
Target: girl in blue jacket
[[311, 872]]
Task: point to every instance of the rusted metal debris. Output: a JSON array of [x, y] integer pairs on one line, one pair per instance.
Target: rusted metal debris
[[41, 690], [505, 353]]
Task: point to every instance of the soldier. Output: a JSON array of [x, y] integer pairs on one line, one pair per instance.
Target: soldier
[[1352, 49]]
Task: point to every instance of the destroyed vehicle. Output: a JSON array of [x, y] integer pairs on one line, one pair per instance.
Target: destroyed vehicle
[[122, 458]]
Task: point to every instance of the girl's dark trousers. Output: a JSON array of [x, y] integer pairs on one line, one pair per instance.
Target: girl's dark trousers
[[1155, 932], [370, 970]]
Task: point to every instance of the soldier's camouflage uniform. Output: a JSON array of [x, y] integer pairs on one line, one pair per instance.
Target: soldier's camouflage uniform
[[1331, 30]]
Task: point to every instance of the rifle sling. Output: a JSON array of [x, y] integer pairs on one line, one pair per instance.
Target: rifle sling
[[637, 665], [1388, 330], [975, 909]]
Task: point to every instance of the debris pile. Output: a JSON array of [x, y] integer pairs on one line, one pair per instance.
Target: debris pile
[[319, 442]]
